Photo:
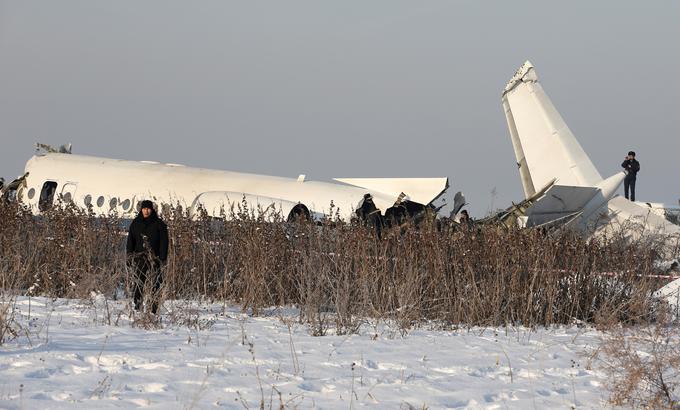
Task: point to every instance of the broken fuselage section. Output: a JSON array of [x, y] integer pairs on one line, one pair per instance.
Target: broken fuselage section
[[105, 186]]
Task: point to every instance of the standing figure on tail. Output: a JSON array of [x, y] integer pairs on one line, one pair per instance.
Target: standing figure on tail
[[147, 250], [631, 167]]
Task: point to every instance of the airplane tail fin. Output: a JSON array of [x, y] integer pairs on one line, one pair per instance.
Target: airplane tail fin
[[544, 146]]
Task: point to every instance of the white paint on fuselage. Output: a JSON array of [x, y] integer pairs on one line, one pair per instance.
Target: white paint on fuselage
[[176, 184]]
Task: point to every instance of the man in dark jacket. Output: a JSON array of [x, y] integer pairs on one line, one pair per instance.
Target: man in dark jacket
[[464, 219], [631, 167], [147, 249]]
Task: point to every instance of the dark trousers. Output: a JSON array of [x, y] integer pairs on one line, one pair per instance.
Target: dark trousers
[[146, 268], [629, 185]]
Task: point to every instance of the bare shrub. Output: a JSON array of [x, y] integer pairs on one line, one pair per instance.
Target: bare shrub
[[8, 326], [643, 365]]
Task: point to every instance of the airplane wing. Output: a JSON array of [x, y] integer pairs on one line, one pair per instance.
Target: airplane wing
[[420, 190], [623, 212], [670, 212], [638, 222]]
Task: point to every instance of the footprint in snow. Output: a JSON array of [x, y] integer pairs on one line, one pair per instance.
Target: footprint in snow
[[451, 370], [461, 404], [41, 373], [62, 396], [370, 364], [151, 388], [114, 360], [80, 369], [151, 366], [491, 398], [309, 386]]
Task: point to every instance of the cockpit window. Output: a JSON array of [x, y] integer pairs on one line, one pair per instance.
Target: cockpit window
[[47, 195]]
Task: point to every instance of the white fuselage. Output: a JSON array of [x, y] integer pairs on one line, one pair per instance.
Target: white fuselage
[[108, 185]]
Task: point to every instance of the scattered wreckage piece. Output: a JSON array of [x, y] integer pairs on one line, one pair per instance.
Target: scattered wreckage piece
[[9, 191], [63, 149], [515, 216]]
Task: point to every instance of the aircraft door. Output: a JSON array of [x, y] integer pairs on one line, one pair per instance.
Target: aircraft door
[[47, 195], [68, 192]]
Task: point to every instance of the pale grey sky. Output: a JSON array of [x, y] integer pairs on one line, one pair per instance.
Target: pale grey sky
[[340, 89]]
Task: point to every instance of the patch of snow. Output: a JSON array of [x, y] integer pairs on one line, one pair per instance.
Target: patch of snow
[[74, 358]]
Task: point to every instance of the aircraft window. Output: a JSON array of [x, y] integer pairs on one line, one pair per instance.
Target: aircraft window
[[67, 197], [125, 204], [47, 195], [113, 202], [100, 201], [87, 200], [31, 193]]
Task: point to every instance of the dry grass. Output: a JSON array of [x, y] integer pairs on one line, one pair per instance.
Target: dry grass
[[338, 273]]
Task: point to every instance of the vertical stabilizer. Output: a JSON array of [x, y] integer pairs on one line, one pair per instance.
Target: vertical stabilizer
[[544, 146]]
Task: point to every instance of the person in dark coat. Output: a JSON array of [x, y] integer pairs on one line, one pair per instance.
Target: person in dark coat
[[369, 214], [631, 167], [147, 250], [464, 219]]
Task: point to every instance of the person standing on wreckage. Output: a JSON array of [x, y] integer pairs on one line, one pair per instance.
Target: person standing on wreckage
[[631, 167], [147, 251]]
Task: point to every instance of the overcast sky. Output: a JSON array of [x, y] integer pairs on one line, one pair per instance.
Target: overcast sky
[[340, 89]]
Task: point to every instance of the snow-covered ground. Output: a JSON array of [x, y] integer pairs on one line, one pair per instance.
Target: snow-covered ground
[[69, 356]]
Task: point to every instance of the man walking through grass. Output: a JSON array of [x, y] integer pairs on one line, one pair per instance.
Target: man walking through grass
[[147, 250]]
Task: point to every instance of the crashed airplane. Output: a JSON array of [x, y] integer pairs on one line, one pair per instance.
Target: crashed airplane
[[105, 186], [560, 182], [563, 187]]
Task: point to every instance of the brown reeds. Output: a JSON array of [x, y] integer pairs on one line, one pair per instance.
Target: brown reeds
[[339, 274]]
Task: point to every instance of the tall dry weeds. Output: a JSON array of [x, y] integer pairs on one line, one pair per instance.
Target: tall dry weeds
[[342, 273]]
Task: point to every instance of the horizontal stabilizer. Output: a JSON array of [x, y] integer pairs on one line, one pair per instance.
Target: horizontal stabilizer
[[420, 190], [559, 201]]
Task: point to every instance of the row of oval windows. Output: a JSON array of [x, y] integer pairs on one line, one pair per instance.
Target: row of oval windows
[[87, 200]]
